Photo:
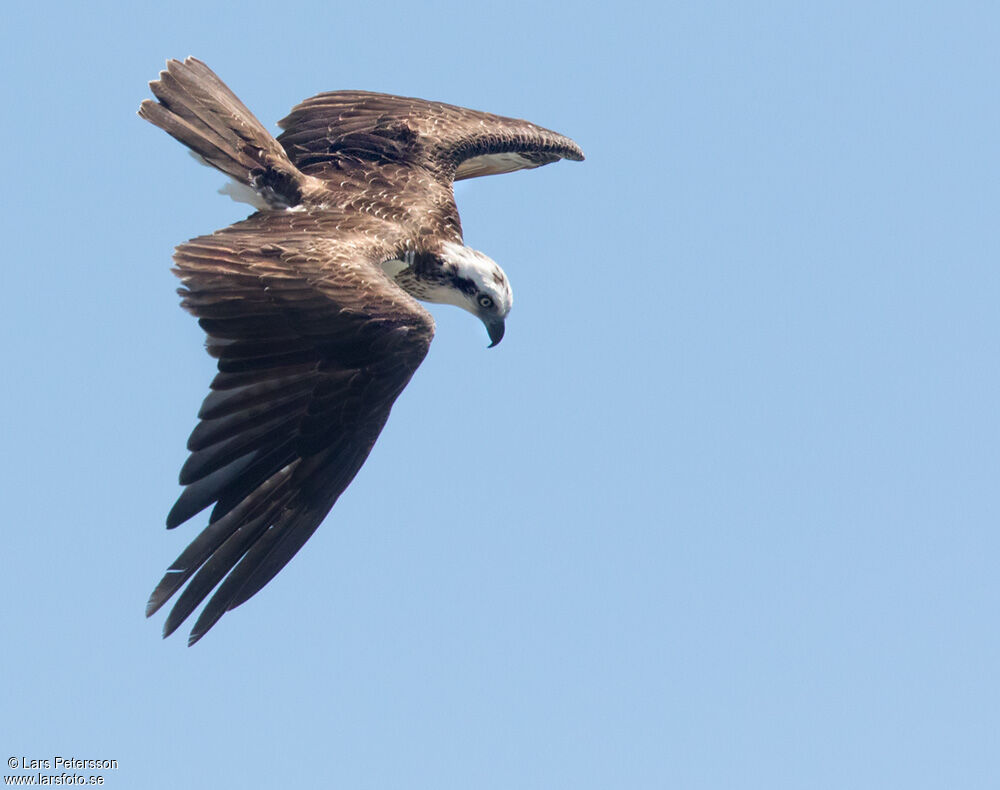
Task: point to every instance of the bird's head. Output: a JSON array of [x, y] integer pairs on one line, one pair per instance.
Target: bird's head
[[477, 283], [460, 276]]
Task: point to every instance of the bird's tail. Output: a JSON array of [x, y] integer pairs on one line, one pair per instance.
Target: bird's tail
[[197, 108]]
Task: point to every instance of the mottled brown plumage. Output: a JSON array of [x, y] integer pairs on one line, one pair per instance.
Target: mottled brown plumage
[[309, 305]]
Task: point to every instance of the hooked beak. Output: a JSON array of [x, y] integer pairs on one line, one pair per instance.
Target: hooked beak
[[495, 330]]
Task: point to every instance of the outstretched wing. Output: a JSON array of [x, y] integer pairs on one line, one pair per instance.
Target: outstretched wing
[[314, 345], [329, 132]]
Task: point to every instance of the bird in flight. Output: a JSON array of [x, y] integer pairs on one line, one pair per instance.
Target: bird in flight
[[310, 305]]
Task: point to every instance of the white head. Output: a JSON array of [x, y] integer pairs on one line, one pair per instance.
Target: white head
[[465, 278]]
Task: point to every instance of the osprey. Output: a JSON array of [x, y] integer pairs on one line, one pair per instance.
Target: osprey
[[310, 304]]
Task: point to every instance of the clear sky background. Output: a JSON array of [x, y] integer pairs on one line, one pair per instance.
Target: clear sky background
[[720, 511]]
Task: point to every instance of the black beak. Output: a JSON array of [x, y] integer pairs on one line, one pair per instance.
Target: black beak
[[495, 330]]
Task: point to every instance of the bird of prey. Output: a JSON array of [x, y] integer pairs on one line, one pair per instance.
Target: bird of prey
[[310, 304]]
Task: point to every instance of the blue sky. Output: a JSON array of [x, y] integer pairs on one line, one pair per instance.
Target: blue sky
[[720, 511]]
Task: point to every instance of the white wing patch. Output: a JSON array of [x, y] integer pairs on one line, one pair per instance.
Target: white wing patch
[[394, 266], [241, 193], [494, 164]]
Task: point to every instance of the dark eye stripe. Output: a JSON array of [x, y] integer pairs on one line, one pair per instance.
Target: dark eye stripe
[[463, 284]]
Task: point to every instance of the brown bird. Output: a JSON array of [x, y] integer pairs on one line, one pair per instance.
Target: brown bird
[[310, 305]]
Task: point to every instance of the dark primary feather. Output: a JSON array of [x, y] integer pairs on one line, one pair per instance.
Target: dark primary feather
[[313, 347]]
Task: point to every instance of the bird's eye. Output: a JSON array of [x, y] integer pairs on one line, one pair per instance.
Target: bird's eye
[[485, 301]]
